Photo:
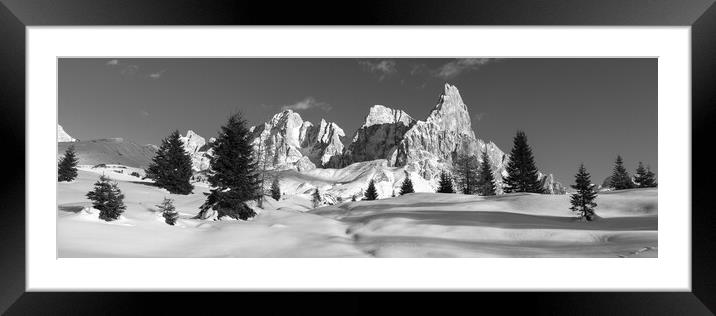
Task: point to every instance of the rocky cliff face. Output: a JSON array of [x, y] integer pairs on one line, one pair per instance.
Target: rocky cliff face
[[199, 150], [378, 137], [62, 136], [425, 147], [289, 142]]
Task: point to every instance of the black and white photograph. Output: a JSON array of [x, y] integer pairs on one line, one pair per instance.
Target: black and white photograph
[[357, 157]]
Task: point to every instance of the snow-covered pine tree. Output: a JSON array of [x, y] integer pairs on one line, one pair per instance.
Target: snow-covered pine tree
[[371, 193], [232, 173], [171, 166], [275, 189], [169, 212], [445, 185], [465, 168], [485, 178], [107, 198], [583, 200], [316, 198], [620, 179], [407, 186], [522, 174], [67, 168], [649, 180]]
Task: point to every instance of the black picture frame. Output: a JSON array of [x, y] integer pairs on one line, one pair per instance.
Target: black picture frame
[[15, 15]]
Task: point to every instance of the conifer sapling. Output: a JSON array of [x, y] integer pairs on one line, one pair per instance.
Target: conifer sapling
[[485, 179], [107, 198], [583, 200], [168, 211], [371, 193], [67, 168], [620, 178], [522, 174], [407, 186]]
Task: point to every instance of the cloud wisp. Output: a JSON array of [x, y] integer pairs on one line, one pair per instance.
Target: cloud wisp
[[456, 67], [132, 70], [383, 68], [307, 104], [156, 75]]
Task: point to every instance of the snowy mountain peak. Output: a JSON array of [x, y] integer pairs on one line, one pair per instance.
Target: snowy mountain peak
[[451, 114], [380, 114], [62, 136]]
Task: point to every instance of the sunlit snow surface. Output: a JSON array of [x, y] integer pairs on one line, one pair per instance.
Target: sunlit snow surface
[[415, 225]]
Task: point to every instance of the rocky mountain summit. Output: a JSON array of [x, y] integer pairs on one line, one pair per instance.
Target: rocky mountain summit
[[424, 148], [288, 142]]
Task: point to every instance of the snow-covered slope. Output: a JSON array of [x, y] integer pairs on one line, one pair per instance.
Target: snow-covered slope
[[110, 151], [415, 225], [62, 136], [511, 225]]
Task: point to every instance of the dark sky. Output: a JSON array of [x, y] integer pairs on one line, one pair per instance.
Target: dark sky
[[573, 109]]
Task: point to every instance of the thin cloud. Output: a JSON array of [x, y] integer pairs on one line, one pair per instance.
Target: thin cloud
[[308, 104], [129, 70], [456, 67], [144, 114], [157, 75], [113, 62], [383, 67]]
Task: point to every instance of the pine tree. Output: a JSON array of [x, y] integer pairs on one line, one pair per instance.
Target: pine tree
[[445, 185], [107, 198], [522, 174], [583, 200], [316, 198], [371, 193], [275, 189], [232, 173], [639, 175], [171, 166], [67, 168], [485, 180], [168, 211], [407, 186], [649, 180], [354, 198], [620, 177], [465, 168]]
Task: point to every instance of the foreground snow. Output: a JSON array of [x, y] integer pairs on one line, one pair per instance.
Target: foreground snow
[[416, 225]]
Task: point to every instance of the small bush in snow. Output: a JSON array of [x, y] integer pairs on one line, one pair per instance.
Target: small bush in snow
[[168, 211], [107, 198], [135, 174]]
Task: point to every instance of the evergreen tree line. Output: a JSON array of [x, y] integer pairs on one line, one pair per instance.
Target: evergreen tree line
[[621, 180]]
